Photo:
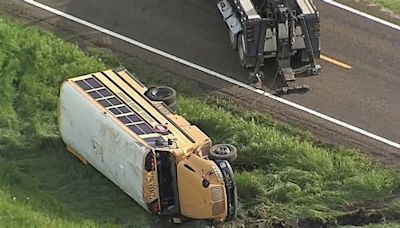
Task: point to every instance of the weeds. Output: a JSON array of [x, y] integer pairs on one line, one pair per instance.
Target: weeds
[[280, 171], [291, 173], [389, 4]]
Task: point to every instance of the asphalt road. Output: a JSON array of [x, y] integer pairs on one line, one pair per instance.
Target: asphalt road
[[365, 96]]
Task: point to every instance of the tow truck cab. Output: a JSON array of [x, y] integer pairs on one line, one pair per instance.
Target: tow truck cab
[[109, 120]]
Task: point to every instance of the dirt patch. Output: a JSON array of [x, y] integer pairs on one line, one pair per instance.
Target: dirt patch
[[359, 217]]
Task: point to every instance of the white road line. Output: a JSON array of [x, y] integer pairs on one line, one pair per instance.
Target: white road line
[[358, 12], [215, 74]]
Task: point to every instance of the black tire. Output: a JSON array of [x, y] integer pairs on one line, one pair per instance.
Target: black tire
[[162, 93], [223, 152], [233, 39], [241, 51], [173, 107]]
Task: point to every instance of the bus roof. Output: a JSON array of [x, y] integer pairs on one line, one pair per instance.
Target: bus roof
[[123, 97]]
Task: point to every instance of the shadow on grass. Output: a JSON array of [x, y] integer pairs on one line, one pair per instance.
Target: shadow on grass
[[62, 187]]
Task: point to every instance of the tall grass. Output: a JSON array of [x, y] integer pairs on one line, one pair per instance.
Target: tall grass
[[34, 161], [291, 177], [280, 171], [33, 64]]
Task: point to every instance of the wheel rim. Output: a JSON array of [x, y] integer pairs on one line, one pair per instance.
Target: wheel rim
[[241, 49], [232, 39], [161, 93], [223, 150]]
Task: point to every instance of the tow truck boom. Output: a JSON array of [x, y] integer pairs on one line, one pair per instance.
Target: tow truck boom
[[287, 30]]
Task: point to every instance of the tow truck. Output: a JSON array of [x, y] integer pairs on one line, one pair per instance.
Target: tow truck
[[287, 30]]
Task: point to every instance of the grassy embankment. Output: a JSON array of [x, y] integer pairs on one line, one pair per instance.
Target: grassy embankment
[[280, 171], [393, 5]]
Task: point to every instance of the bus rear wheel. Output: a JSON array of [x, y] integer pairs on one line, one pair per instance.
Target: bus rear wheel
[[165, 94]]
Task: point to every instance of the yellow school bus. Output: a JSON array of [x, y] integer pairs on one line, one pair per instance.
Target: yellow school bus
[[131, 134]]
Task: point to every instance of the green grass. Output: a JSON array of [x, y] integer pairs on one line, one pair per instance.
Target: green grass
[[280, 171], [23, 205], [393, 5], [34, 161], [292, 178]]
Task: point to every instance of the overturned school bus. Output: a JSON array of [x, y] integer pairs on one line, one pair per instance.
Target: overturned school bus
[[131, 135]]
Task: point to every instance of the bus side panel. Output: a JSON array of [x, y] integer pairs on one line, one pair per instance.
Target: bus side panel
[[91, 132]]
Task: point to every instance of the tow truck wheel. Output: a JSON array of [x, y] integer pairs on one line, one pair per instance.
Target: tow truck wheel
[[165, 94], [233, 38], [240, 47], [223, 152]]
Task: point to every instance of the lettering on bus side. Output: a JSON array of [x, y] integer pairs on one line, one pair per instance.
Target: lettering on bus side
[[162, 109]]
